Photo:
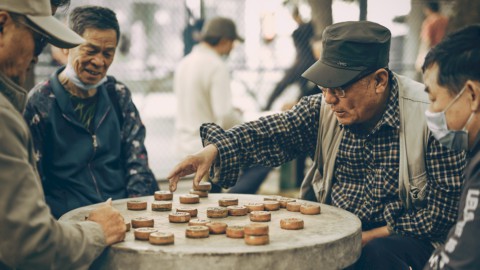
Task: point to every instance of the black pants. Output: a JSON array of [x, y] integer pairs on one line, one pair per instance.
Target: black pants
[[250, 180], [394, 252]]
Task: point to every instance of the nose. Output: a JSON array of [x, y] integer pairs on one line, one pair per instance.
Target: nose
[[329, 97], [97, 60]]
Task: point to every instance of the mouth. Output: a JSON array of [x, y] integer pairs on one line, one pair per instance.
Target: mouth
[[338, 113], [93, 73]]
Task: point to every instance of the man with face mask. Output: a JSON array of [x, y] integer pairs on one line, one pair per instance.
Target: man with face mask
[[452, 81], [88, 135]]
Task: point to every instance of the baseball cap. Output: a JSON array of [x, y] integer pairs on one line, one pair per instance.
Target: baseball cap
[[350, 51], [39, 12], [221, 27]]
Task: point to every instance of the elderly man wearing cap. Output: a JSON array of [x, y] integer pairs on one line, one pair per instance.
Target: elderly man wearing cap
[[373, 153], [30, 238], [91, 119], [202, 89], [452, 80]]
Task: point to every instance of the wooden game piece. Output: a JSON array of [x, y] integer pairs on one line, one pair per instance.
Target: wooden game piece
[[293, 206], [198, 222], [291, 223], [310, 209], [197, 232], [217, 227], [192, 211], [227, 202], [201, 194], [189, 198], [136, 205], [139, 222], [235, 210], [254, 206], [161, 238], [271, 205], [143, 233], [260, 216], [283, 201], [235, 231], [256, 240], [163, 195], [203, 186], [179, 217], [161, 206], [217, 212], [256, 229]]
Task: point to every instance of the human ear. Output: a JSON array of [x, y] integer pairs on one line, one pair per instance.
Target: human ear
[[381, 80], [473, 90]]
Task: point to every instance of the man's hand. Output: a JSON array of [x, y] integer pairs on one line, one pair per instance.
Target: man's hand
[[198, 163], [367, 236], [112, 222]]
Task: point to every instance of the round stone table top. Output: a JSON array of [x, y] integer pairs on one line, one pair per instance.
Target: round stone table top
[[330, 240]]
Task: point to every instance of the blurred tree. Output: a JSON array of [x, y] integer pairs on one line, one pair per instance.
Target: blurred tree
[[464, 12], [321, 18]]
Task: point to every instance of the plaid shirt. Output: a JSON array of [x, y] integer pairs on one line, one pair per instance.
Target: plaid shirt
[[366, 174]]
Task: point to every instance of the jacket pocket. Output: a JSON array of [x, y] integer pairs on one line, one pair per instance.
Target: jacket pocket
[[418, 190]]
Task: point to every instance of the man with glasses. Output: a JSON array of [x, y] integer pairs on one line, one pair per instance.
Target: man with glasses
[[373, 154], [30, 238], [452, 80]]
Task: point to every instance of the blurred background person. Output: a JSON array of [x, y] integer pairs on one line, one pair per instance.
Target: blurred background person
[[432, 32], [304, 58], [202, 89]]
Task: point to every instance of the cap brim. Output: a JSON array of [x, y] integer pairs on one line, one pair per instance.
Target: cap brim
[[60, 35], [241, 39], [327, 76]]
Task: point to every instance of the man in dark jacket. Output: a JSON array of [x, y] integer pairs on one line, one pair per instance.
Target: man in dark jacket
[[88, 135], [452, 80]]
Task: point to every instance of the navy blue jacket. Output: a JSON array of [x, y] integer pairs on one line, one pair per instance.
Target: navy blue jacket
[[79, 167]]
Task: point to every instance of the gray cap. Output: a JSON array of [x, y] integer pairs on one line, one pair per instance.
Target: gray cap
[[350, 50], [39, 12], [222, 28]]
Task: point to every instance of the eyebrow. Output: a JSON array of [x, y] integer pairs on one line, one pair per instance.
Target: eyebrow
[[98, 48]]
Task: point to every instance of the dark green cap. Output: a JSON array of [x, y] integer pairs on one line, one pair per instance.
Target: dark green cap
[[350, 50]]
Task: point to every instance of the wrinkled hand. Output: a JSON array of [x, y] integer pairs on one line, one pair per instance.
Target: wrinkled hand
[[112, 222], [198, 163]]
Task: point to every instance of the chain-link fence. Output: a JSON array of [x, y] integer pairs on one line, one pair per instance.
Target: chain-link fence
[[157, 33]]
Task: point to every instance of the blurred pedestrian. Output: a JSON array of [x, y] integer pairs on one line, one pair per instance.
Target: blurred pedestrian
[[304, 58], [433, 30]]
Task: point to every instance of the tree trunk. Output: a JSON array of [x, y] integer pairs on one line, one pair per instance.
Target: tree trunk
[[363, 10], [321, 18], [464, 12]]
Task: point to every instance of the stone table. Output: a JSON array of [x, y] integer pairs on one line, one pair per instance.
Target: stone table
[[330, 240]]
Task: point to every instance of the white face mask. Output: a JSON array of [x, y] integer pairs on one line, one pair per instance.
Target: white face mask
[[437, 123], [73, 77]]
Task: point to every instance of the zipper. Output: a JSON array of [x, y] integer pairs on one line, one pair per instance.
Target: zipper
[[95, 146]]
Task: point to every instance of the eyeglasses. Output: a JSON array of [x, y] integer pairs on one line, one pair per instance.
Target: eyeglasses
[[337, 91], [39, 38]]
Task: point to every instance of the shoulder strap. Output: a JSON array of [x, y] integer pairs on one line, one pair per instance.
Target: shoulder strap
[[112, 94]]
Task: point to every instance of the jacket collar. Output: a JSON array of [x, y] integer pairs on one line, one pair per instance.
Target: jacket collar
[[63, 100], [16, 94]]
